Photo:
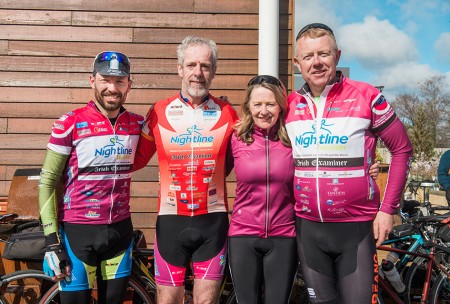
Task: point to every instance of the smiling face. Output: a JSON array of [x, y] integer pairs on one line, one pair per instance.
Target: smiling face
[[197, 72], [264, 108], [317, 58], [110, 92]]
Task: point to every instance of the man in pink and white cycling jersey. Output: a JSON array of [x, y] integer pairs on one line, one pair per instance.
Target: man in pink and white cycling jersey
[[91, 149], [190, 132], [333, 124]]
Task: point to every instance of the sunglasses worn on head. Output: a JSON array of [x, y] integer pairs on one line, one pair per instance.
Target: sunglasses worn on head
[[264, 78], [314, 26], [107, 56]]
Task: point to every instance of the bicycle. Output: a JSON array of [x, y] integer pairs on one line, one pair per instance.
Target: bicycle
[[431, 255], [22, 286]]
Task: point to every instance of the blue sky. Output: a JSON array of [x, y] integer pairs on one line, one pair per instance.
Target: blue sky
[[394, 43]]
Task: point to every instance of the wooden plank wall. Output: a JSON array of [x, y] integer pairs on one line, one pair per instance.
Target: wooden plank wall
[[47, 48]]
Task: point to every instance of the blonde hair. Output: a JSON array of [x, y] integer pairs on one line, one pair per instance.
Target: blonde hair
[[316, 33], [244, 128]]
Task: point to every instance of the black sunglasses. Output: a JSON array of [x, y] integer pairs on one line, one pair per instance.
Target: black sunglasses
[[314, 26], [264, 78]]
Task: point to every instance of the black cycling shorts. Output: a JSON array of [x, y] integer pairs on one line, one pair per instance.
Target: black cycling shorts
[[182, 238], [338, 260]]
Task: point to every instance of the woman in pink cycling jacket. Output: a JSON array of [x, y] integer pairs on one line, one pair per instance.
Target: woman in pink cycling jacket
[[262, 248]]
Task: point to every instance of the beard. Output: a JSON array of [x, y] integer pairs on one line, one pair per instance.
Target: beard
[[110, 106], [196, 91]]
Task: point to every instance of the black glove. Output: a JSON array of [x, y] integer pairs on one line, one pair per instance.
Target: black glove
[[55, 256], [61, 253]]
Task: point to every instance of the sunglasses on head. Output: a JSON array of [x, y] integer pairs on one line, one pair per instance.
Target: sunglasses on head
[[108, 56], [264, 78], [314, 26]]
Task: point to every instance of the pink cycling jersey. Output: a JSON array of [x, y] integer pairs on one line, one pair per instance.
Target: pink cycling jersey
[[191, 144], [97, 175], [334, 144]]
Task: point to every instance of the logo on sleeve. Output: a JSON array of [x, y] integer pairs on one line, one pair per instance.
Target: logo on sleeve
[[380, 106]]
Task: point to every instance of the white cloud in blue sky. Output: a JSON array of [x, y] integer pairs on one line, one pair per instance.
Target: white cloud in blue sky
[[394, 43], [375, 43], [442, 47]]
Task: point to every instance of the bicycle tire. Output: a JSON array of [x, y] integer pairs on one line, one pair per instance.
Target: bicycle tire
[[136, 293], [414, 280], [440, 291], [24, 286]]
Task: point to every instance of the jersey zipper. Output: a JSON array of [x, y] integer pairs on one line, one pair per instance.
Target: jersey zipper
[[317, 117], [115, 171], [191, 160], [266, 228]]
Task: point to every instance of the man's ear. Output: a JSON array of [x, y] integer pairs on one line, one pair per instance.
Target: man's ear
[[338, 56], [92, 81], [180, 70]]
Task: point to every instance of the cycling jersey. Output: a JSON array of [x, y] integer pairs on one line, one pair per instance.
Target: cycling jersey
[[264, 204], [98, 172], [334, 144], [191, 144]]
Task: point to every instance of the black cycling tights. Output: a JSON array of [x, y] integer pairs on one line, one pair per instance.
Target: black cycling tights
[[339, 261], [262, 268], [110, 291]]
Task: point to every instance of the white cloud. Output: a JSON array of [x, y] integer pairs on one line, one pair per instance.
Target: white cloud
[[307, 12], [404, 78], [376, 44], [442, 47]]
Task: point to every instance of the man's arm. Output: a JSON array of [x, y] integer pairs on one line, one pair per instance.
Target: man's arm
[[397, 141], [48, 194], [51, 173], [443, 170], [147, 145]]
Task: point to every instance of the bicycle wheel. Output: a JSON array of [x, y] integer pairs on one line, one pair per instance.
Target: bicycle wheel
[[24, 286], [414, 280], [135, 294], [440, 291]]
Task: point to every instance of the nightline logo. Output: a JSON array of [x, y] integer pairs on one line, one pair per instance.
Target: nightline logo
[[115, 148], [310, 138], [194, 136]]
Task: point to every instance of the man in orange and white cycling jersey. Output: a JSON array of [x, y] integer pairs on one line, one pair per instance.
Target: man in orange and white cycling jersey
[[190, 133]]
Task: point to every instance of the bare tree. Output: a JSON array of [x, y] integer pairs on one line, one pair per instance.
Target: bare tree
[[426, 115]]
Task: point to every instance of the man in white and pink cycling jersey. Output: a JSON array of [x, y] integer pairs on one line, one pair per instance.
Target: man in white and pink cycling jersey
[[91, 150], [190, 133], [333, 124]]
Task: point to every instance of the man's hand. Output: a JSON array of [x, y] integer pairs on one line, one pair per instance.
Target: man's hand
[[56, 262], [224, 98], [382, 225], [374, 170]]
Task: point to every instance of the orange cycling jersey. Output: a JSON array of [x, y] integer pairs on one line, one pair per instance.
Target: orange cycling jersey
[[191, 145]]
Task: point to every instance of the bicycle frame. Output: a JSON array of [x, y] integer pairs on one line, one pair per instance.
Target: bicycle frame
[[416, 242], [430, 257]]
